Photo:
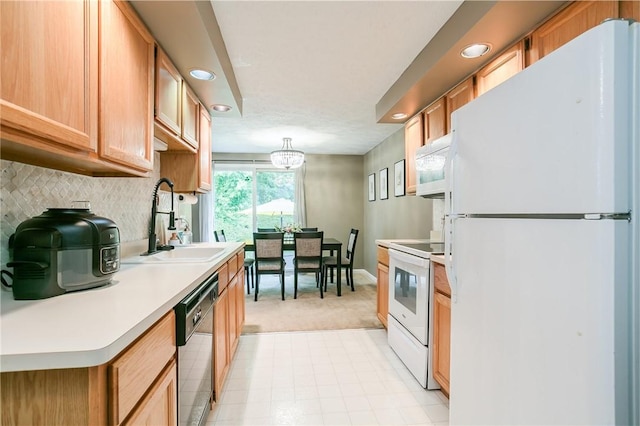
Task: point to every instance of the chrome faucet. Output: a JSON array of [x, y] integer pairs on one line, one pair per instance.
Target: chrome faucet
[[153, 245]]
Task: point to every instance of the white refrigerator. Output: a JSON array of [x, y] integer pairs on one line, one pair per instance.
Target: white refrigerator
[[542, 235]]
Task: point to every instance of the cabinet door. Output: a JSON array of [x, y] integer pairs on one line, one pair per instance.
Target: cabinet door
[[630, 9], [160, 405], [126, 87], [49, 68], [232, 321], [383, 293], [240, 300], [460, 95], [435, 120], [168, 93], [500, 69], [220, 344], [204, 153], [413, 139], [568, 24], [190, 116], [441, 340]]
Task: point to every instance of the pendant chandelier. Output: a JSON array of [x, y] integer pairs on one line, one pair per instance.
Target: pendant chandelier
[[287, 157]]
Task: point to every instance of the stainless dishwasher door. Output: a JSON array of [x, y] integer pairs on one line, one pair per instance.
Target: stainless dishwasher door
[[194, 322]]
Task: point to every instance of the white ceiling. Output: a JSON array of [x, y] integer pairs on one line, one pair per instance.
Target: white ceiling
[[327, 74], [309, 70], [314, 70]]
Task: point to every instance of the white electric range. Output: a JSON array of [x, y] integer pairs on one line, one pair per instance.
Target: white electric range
[[410, 306]]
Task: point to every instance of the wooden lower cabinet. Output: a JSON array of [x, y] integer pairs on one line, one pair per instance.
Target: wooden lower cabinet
[[138, 386], [228, 321], [441, 327], [232, 321], [72, 396], [383, 285], [160, 406], [220, 344]]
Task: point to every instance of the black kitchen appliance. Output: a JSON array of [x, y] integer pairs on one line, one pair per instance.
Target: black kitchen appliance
[[63, 250]]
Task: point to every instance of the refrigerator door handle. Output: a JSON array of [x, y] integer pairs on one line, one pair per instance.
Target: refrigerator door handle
[[449, 256], [449, 175], [449, 217]]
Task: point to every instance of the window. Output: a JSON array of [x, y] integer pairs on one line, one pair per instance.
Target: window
[[251, 196]]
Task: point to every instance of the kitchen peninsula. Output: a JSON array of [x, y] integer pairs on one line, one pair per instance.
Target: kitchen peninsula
[[68, 358]]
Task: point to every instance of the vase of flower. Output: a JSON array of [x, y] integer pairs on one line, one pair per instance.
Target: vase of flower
[[288, 230]]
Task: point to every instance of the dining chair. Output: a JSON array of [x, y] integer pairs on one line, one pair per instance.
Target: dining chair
[[269, 257], [331, 262], [248, 261], [308, 257]]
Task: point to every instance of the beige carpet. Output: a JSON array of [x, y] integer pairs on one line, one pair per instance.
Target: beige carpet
[[353, 310]]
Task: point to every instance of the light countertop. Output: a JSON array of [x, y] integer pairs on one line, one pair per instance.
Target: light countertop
[[90, 327], [387, 243], [438, 258]]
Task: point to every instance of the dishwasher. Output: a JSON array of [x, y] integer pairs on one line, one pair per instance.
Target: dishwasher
[[194, 338]]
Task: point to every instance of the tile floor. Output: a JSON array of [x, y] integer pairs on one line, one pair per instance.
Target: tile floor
[[344, 377]]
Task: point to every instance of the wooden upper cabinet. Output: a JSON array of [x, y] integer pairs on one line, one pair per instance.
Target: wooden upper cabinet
[[435, 120], [413, 139], [126, 87], [49, 68], [176, 108], [190, 116], [204, 153], [500, 69], [577, 18], [191, 172], [630, 9], [55, 111], [168, 93], [460, 95]]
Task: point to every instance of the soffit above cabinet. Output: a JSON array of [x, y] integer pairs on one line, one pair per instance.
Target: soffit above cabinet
[[439, 66], [188, 32]]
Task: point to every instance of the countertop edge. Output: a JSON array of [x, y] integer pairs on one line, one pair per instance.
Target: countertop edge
[[105, 347]]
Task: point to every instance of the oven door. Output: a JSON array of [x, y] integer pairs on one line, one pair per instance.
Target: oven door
[[409, 293]]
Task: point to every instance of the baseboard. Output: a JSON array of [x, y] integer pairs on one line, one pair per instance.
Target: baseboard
[[367, 273]]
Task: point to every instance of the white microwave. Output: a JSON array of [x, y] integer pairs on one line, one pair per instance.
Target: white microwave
[[430, 165]]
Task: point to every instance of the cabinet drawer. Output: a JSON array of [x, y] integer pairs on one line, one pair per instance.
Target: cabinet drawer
[[240, 259], [440, 281], [383, 255], [223, 277], [233, 267], [135, 370]]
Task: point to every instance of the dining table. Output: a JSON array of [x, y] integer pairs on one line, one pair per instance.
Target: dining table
[[328, 244]]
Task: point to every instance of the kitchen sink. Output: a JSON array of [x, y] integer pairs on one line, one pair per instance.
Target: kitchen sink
[[179, 255]]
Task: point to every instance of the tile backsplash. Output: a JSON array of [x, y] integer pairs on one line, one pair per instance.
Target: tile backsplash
[[27, 191]]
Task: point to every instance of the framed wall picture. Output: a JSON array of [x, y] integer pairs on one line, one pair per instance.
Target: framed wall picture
[[372, 187], [398, 179], [384, 184]]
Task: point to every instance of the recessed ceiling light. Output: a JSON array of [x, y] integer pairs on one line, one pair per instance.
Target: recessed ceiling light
[[202, 74], [475, 50], [399, 116], [221, 108]]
